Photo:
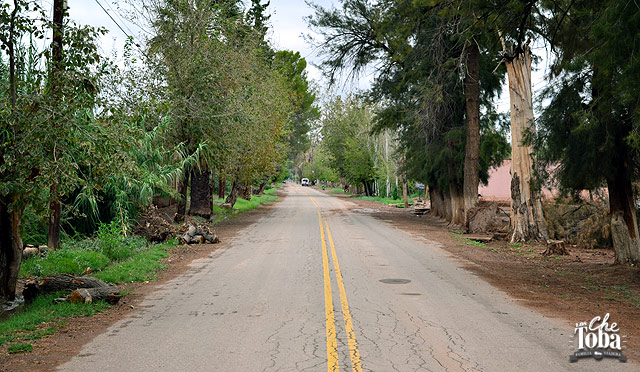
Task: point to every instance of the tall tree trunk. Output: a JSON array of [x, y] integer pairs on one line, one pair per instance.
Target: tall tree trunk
[[55, 208], [405, 197], [233, 195], [624, 224], [260, 189], [222, 185], [201, 193], [472, 146], [437, 202], [245, 192], [527, 217], [446, 203], [10, 248], [456, 205], [183, 186]]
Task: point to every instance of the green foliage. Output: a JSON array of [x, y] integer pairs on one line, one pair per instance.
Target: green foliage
[[64, 260], [115, 245], [345, 131], [75, 256]]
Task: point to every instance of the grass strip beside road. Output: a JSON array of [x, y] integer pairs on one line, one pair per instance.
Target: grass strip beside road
[[44, 316]]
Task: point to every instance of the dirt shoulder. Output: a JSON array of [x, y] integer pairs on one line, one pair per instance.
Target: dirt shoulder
[[52, 351], [572, 288]]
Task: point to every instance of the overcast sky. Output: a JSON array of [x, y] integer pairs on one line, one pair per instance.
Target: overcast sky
[[288, 27]]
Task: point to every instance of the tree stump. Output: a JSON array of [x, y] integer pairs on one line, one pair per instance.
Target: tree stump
[[556, 247]]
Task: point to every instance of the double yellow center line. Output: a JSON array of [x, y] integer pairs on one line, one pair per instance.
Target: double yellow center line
[[332, 344]]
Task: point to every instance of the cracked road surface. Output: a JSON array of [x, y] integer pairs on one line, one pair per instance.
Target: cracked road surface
[[262, 303]]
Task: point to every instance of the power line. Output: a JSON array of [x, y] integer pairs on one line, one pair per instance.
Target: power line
[[120, 18], [120, 27]]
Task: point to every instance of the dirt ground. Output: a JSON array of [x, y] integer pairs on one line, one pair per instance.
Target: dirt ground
[[52, 351], [571, 288]]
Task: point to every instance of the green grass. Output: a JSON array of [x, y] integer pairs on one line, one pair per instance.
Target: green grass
[[36, 320], [242, 205], [468, 241], [75, 256], [20, 348], [381, 199], [141, 267], [66, 260]]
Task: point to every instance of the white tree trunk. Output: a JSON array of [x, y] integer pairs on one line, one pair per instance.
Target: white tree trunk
[[527, 217]]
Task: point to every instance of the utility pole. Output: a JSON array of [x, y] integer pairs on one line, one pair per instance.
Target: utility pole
[[59, 9]]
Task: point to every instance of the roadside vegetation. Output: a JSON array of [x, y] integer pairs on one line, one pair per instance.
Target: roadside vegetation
[[90, 141]]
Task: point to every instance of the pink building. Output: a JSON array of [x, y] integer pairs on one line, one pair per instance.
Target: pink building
[[499, 186]]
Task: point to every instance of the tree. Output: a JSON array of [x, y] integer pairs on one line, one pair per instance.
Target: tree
[[421, 55], [346, 128], [590, 126], [293, 68], [36, 154]]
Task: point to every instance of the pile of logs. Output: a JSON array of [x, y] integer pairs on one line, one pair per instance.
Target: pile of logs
[[198, 234], [84, 289]]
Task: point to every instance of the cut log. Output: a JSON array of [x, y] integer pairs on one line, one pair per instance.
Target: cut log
[[90, 295], [59, 282], [556, 247]]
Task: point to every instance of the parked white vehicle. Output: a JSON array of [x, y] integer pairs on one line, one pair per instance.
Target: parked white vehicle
[[304, 182]]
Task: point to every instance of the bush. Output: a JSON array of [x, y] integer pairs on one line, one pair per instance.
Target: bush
[[115, 245], [65, 261]]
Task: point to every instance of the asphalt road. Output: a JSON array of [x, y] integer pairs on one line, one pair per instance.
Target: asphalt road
[[318, 286]]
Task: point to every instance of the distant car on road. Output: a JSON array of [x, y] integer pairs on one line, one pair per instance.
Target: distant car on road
[[304, 182]]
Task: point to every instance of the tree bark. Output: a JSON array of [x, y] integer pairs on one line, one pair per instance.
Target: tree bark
[[236, 188], [55, 208], [10, 248], [60, 282], [405, 197], [222, 185], [245, 192], [201, 193], [437, 202], [456, 205], [182, 201], [260, 189], [624, 224], [527, 217], [91, 295], [472, 146]]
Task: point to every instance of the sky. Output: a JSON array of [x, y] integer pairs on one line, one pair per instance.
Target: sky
[[288, 27]]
